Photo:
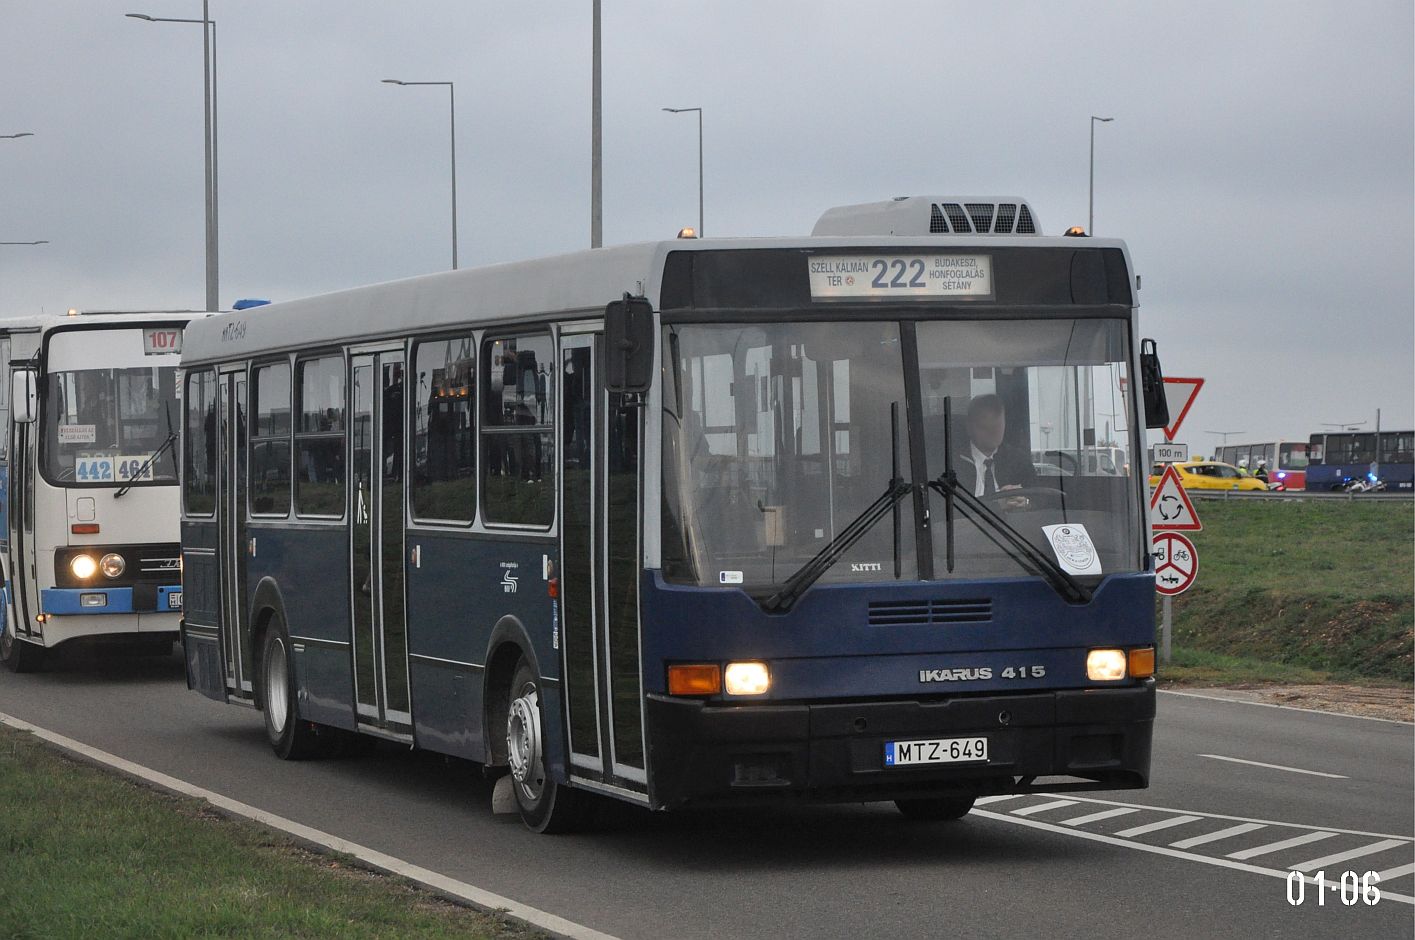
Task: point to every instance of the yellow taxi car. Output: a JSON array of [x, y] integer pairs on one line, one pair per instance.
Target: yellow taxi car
[[1209, 475]]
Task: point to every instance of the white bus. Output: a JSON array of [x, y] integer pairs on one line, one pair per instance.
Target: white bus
[[89, 511]]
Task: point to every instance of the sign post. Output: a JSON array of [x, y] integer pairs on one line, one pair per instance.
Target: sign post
[[1176, 561]]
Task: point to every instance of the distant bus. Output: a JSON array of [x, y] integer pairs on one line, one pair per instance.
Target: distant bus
[[89, 515], [1286, 460], [691, 521], [1338, 458]]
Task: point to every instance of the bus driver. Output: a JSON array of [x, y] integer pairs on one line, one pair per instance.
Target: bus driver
[[989, 465]]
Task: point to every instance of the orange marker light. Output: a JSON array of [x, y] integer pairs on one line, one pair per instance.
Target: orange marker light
[[552, 587], [1142, 662], [695, 679], [84, 528]]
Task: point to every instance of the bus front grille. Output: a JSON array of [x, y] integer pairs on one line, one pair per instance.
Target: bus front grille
[[907, 613]]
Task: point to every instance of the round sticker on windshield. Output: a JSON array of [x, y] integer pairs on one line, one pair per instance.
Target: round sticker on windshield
[[1075, 551]]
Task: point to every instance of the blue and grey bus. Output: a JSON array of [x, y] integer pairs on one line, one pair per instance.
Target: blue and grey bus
[[691, 522], [1338, 458], [89, 522]]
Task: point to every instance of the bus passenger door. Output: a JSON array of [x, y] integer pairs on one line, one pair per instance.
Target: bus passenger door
[[377, 546], [600, 552], [231, 523]]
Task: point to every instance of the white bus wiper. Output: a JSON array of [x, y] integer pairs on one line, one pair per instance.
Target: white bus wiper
[[796, 585], [1066, 585], [137, 474]]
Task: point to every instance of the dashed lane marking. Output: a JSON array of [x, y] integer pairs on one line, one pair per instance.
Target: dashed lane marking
[[1347, 856], [1283, 845], [1097, 817], [1228, 833], [1156, 826], [1291, 770]]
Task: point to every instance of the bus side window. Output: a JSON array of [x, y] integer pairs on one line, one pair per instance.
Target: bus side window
[[518, 443], [319, 437], [443, 389], [199, 448], [270, 440]]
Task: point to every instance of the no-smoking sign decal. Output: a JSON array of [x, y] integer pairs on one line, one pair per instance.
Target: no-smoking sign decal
[[1176, 563]]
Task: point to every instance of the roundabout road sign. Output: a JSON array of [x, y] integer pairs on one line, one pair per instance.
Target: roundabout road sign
[[1176, 563]]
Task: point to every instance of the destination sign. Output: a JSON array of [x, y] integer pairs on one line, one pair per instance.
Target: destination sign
[[900, 277]]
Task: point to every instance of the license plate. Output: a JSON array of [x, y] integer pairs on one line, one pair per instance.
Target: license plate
[[939, 751], [174, 600]]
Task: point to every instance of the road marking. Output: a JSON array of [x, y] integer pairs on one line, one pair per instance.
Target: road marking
[[1258, 763], [1043, 807], [478, 897], [1291, 708], [985, 800], [1097, 817], [1156, 826], [1164, 850], [1326, 860], [1392, 873], [1215, 836], [1272, 847]]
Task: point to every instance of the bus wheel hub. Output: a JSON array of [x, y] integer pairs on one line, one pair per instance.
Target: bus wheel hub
[[523, 745]]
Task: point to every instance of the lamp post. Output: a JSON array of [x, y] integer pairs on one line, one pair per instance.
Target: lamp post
[[452, 110], [208, 56], [42, 241], [1091, 198], [1225, 435], [700, 160], [596, 139], [15, 136]]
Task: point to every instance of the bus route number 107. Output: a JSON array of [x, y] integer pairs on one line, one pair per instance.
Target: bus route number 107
[[162, 341]]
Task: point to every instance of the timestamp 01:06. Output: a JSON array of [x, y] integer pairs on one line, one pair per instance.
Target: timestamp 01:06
[[1352, 888]]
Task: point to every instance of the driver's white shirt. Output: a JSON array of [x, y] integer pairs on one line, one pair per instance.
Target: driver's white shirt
[[980, 463]]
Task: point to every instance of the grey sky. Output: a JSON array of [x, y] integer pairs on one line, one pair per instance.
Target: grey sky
[[1261, 164]]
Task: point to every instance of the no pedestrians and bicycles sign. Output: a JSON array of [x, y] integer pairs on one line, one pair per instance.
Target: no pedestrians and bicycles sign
[[1176, 563]]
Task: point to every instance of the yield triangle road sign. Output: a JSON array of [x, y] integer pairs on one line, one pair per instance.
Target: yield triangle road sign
[[1170, 507], [1180, 395]]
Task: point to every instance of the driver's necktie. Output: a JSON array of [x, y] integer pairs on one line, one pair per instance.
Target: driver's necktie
[[989, 486]]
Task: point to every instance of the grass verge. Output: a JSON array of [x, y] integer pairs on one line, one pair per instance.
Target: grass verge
[[90, 854], [1287, 589]]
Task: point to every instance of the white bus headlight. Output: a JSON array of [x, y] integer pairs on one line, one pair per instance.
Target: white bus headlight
[[83, 566], [112, 565], [746, 679], [1105, 665]]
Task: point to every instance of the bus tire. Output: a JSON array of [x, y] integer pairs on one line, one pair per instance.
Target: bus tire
[[18, 655], [937, 808], [545, 806], [291, 738]]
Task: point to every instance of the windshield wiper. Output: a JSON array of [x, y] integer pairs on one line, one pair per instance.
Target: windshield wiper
[[1066, 585], [796, 585], [137, 475]]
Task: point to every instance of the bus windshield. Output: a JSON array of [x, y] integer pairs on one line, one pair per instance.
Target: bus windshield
[[110, 424], [777, 437]]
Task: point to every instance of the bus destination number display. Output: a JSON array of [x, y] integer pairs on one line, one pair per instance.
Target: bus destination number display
[[161, 341], [108, 469], [900, 277]]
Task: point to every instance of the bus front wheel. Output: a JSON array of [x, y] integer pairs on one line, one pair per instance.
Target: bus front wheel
[[545, 805], [936, 809], [18, 655], [291, 738]]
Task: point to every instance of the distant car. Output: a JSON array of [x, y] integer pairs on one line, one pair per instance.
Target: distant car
[[1209, 475], [1051, 470]]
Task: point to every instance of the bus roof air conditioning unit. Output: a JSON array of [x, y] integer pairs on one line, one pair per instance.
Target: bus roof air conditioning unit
[[932, 215]]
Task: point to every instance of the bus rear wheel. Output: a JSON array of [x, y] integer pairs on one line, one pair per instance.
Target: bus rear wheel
[[936, 809], [291, 738], [18, 655], [545, 805]]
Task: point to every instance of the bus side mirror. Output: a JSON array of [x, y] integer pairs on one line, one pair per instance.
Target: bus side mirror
[[628, 340], [1152, 385], [24, 396]]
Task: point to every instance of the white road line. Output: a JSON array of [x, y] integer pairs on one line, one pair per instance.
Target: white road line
[[1326, 860], [1162, 850], [438, 882], [985, 800], [1215, 836], [1043, 807], [1272, 847], [1266, 822], [1392, 873], [1156, 826], [1097, 817], [1258, 763], [1290, 708]]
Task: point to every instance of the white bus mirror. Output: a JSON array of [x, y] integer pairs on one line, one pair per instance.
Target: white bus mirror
[[24, 396]]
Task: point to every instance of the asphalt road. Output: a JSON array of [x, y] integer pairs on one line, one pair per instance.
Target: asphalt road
[[1184, 858]]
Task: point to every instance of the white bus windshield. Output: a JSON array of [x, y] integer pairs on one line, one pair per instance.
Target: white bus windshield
[[778, 436], [108, 409]]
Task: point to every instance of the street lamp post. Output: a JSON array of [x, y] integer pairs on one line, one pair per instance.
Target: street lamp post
[[1091, 198], [1224, 435], [208, 62], [15, 136], [700, 160], [42, 241], [452, 106], [596, 138]]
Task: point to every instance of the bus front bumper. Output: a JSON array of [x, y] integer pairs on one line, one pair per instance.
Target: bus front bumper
[[144, 598], [834, 752]]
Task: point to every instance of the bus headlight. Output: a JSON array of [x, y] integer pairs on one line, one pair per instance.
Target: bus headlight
[[1105, 665], [112, 565], [746, 679], [83, 566]]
